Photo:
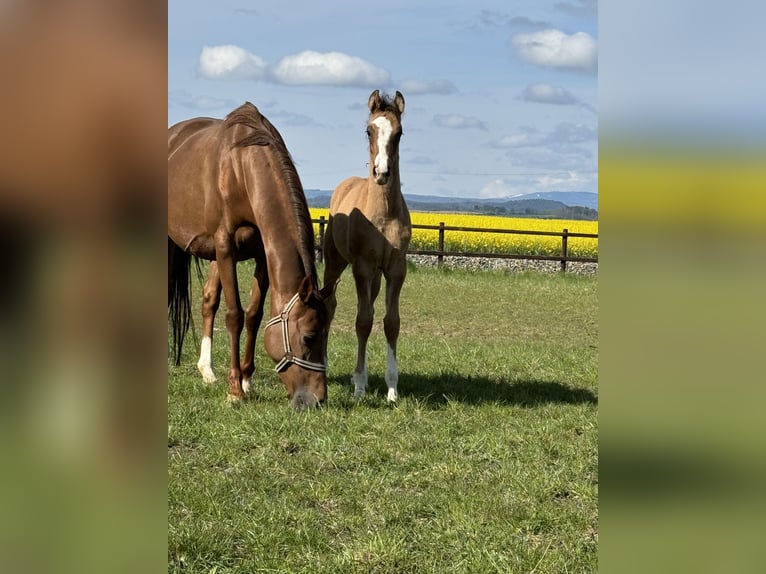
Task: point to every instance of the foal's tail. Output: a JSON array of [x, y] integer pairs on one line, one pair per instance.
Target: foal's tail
[[179, 307]]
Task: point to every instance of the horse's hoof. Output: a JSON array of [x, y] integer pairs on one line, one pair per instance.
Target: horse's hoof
[[233, 400], [392, 396], [207, 374], [359, 380], [247, 388]]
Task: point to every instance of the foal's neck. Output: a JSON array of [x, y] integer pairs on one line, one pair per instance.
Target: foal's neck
[[386, 198]]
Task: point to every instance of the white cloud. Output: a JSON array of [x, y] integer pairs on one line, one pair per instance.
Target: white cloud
[[572, 181], [553, 159], [230, 62], [498, 188], [569, 133], [555, 95], [529, 137], [555, 49], [565, 134], [548, 94], [442, 87], [459, 122], [568, 147], [306, 68], [518, 140], [329, 69]]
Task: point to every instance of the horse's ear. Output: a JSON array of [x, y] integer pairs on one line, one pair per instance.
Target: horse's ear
[[329, 290], [374, 102], [399, 101], [306, 289]]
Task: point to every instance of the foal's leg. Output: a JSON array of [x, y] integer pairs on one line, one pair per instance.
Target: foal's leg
[[227, 268], [211, 298], [253, 318], [334, 266], [365, 280], [394, 282]]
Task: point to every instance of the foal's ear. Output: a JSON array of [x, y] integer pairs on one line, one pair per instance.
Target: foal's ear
[[399, 101], [306, 289], [329, 290], [374, 102]]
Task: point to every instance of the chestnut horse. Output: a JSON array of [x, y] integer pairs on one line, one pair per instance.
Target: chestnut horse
[[370, 229], [234, 194]]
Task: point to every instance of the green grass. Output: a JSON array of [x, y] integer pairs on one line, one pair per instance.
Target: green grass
[[488, 463]]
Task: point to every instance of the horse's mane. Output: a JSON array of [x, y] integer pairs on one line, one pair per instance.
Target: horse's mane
[[263, 133], [387, 104]]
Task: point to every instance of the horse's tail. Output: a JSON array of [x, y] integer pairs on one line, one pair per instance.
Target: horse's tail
[[179, 306]]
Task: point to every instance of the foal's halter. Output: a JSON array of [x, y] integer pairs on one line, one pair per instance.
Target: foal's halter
[[289, 357]]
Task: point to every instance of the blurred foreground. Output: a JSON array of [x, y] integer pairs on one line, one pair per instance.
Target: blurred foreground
[[82, 350], [682, 176]]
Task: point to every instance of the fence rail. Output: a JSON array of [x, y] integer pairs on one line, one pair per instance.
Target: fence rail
[[441, 253]]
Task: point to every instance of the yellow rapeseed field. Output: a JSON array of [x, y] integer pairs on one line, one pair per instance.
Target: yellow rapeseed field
[[497, 242]]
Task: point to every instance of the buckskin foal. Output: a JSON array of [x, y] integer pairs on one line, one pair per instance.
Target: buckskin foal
[[234, 194], [370, 229]]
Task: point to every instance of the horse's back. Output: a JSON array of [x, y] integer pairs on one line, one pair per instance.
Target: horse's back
[[182, 131], [349, 195]]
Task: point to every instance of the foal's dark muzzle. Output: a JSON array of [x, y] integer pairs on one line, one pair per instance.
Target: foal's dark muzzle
[[380, 178]]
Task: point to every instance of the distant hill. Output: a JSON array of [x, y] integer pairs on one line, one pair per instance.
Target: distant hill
[[553, 204], [571, 198]]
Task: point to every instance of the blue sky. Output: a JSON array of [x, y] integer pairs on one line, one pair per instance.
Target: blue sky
[[501, 98]]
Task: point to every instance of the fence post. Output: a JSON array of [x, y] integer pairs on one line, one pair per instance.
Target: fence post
[[440, 257], [320, 249], [564, 250]]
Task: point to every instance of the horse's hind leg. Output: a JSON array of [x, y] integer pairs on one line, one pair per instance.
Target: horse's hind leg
[[334, 266], [253, 318], [211, 298], [394, 282]]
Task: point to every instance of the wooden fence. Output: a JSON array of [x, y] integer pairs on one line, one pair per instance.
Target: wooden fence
[[440, 253]]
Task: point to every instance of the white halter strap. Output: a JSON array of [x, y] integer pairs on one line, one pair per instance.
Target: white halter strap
[[289, 357]]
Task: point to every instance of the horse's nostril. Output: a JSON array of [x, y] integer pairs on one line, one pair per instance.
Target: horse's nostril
[[303, 400]]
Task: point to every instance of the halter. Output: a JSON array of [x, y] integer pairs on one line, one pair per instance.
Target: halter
[[289, 357]]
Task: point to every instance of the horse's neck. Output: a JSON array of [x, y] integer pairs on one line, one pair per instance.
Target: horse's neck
[[287, 266], [385, 199], [287, 261]]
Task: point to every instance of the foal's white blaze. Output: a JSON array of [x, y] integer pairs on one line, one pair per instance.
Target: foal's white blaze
[[392, 375], [385, 129], [205, 363]]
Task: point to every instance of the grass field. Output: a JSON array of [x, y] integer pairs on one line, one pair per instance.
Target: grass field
[[488, 463]]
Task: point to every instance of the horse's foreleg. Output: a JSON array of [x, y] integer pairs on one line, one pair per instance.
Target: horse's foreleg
[[227, 268], [391, 323], [364, 316], [211, 298], [253, 318]]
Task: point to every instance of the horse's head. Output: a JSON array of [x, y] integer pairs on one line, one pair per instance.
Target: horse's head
[[297, 341], [384, 129]]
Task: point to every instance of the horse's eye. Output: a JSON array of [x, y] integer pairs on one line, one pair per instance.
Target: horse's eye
[[309, 339]]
